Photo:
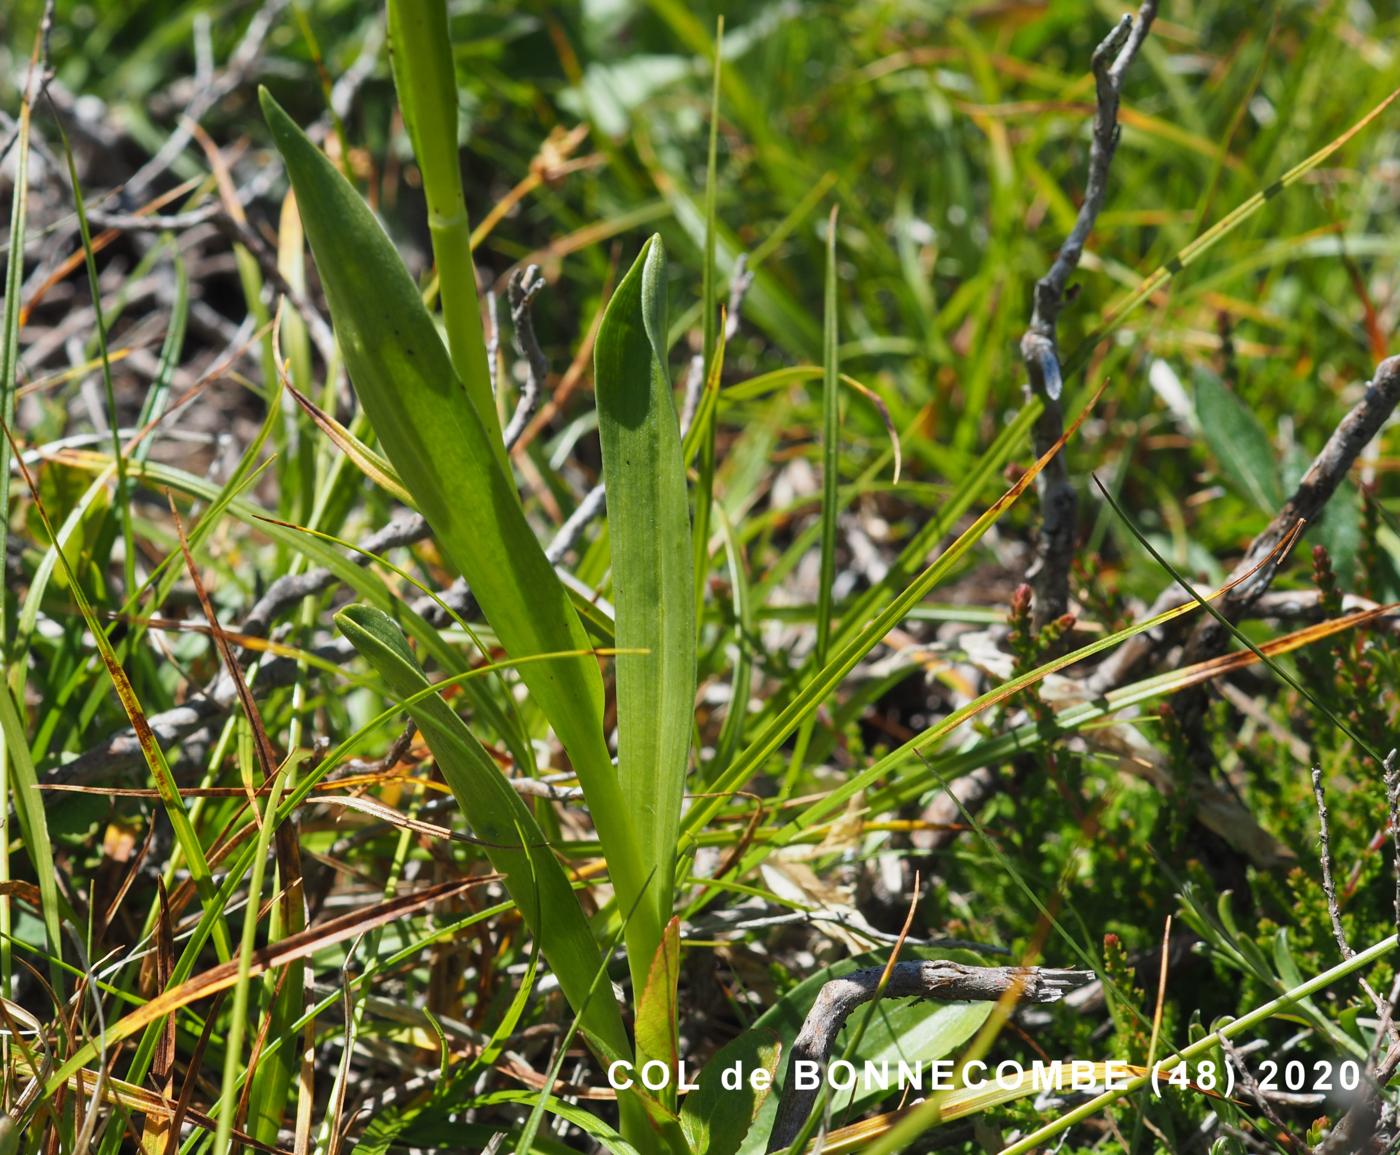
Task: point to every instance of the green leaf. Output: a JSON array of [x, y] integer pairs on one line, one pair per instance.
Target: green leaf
[[649, 528], [919, 1031], [1239, 444], [498, 817], [445, 455], [1338, 530], [657, 1011], [715, 1118]]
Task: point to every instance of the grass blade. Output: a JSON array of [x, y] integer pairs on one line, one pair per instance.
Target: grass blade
[[816, 688], [831, 400], [1208, 239], [185, 835], [709, 312]]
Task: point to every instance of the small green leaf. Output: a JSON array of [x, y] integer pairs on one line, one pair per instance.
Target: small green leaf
[[657, 1012], [1338, 530], [1239, 444], [715, 1118]]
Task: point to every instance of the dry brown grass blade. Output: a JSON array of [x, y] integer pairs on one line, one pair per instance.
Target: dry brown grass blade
[[376, 468], [155, 1135], [182, 1105], [175, 625], [149, 1104], [289, 949], [133, 871], [240, 1118], [26, 892], [1238, 660], [261, 743]]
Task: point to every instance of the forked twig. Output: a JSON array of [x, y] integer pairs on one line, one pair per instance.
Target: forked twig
[[1049, 576]]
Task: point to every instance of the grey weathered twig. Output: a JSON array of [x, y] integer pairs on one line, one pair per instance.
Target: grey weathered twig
[[1250, 597], [244, 59], [1329, 887], [1329, 891], [524, 286], [493, 342], [1049, 576], [945, 981], [1249, 1086], [1327, 471], [290, 589], [1391, 777]]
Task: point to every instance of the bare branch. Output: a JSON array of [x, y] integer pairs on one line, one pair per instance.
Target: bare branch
[[493, 341], [244, 59], [572, 529], [1250, 597], [1049, 576], [1250, 1086], [525, 284], [1392, 798], [287, 591], [1329, 887], [1324, 475]]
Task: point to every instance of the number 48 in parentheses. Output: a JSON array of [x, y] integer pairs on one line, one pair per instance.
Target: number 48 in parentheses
[[1208, 1077]]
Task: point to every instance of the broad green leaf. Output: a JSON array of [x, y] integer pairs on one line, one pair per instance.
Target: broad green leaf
[[446, 456], [716, 1117], [908, 1031], [649, 528], [498, 817], [1239, 444]]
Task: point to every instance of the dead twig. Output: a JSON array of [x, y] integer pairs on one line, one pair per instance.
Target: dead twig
[[1309, 499], [1250, 1087], [1329, 890], [1049, 575], [1327, 471], [524, 286]]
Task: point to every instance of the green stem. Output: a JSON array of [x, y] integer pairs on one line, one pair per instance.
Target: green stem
[[420, 49]]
